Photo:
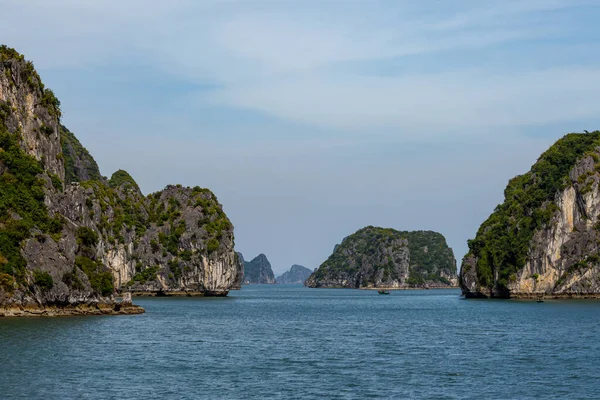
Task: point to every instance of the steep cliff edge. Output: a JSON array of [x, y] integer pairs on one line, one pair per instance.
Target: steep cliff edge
[[70, 240], [239, 278], [296, 274], [79, 163], [376, 257], [544, 240], [258, 270]]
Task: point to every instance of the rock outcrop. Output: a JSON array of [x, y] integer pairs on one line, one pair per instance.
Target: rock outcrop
[[296, 274], [71, 239], [544, 240], [79, 163], [258, 271], [385, 258], [239, 278]]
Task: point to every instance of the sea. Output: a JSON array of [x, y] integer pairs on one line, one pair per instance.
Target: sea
[[292, 342]]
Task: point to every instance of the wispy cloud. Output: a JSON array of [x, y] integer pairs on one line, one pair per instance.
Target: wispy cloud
[[283, 58]]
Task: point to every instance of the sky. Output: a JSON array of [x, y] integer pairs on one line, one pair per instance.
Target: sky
[[312, 119]]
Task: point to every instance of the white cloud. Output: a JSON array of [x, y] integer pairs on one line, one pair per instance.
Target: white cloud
[[295, 60], [426, 102]]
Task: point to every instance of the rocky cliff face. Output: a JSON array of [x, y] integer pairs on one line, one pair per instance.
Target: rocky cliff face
[[70, 240], [239, 278], [385, 258], [258, 270], [79, 163], [296, 274], [544, 240]]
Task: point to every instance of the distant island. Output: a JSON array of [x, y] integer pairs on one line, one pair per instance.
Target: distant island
[[376, 257], [296, 274], [71, 239], [258, 270], [544, 240]]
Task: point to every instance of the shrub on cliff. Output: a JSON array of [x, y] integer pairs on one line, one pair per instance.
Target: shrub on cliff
[[43, 280], [86, 236], [100, 278]]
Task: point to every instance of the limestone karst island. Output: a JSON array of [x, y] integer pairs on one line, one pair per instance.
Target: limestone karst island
[[544, 240], [71, 239], [388, 259]]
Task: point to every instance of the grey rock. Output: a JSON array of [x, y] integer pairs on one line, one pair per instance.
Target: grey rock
[[126, 299], [79, 163], [258, 271], [296, 274], [239, 278]]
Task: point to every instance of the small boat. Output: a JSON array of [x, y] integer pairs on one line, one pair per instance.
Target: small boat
[[383, 291], [540, 300]]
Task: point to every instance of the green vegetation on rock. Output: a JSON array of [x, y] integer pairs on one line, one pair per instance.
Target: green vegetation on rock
[[100, 278], [79, 163], [29, 75], [22, 205], [86, 237], [43, 280], [8, 53], [503, 240], [144, 275], [122, 179]]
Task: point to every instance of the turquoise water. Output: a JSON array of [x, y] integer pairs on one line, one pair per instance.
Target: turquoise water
[[292, 342]]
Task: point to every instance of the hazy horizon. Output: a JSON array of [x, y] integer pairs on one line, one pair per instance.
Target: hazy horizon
[[310, 120]]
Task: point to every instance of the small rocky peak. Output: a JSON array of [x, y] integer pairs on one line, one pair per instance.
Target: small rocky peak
[[258, 270], [122, 179], [297, 268], [240, 256], [261, 258]]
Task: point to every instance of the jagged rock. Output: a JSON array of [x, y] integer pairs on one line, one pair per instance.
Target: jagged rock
[[296, 274], [544, 240], [71, 247], [385, 258], [258, 270], [239, 278], [127, 301], [79, 163]]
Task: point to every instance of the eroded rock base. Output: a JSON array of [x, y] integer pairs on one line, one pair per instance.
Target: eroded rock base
[[81, 310], [180, 294]]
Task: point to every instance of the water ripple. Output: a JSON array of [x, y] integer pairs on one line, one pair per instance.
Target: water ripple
[[290, 342]]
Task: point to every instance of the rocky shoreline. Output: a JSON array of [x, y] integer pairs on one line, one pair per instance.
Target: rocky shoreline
[[410, 288], [82, 310], [552, 296], [223, 293]]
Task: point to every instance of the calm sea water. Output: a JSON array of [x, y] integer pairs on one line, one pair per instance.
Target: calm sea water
[[292, 342]]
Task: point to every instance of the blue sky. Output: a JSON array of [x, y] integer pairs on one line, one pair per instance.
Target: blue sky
[[312, 119]]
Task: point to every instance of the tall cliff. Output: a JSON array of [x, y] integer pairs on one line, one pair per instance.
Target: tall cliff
[[239, 278], [69, 239], [544, 240], [258, 270], [296, 274], [376, 257]]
